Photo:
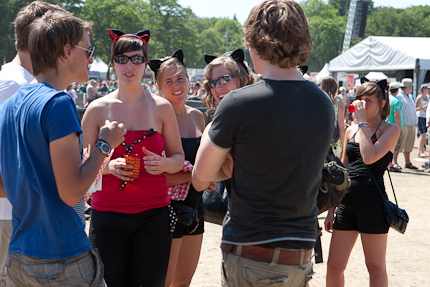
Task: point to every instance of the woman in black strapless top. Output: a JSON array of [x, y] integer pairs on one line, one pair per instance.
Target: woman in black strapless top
[[369, 148], [173, 83]]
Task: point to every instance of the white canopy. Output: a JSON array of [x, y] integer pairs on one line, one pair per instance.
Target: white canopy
[[384, 54], [98, 66], [373, 76], [323, 73], [390, 54]]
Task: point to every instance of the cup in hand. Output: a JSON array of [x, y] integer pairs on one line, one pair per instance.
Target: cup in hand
[[134, 160]]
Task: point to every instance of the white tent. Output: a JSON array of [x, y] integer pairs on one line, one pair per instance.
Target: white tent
[[386, 54], [98, 66], [373, 76], [323, 73]]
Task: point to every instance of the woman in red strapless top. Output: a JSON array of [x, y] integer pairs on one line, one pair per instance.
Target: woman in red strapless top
[[130, 223]]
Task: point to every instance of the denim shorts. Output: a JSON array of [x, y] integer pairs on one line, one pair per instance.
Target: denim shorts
[[85, 269], [237, 271]]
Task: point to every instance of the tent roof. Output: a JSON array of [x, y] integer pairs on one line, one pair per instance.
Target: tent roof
[[373, 76], [384, 54], [98, 66], [323, 73]]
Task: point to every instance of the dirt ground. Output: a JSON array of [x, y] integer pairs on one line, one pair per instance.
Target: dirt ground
[[407, 254]]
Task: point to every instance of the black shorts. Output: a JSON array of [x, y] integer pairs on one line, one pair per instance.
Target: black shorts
[[180, 230], [422, 125], [365, 215]]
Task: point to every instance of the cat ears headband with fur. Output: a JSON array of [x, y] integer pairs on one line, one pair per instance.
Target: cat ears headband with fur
[[155, 64], [382, 83], [116, 34], [238, 55]]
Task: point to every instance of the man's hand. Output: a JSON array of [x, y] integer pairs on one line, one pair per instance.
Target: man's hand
[[113, 133]]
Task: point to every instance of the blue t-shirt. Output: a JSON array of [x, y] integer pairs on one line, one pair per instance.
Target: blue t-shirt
[[43, 225]]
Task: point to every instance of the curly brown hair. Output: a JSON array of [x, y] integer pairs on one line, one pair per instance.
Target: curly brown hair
[[279, 32], [371, 88], [235, 69]]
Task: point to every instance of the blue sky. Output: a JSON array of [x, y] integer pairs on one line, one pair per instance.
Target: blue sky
[[228, 8]]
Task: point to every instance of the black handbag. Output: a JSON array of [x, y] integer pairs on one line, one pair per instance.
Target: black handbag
[[334, 183], [395, 217], [215, 203], [187, 216]]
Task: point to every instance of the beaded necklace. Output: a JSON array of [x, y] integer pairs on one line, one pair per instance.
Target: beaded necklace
[[129, 149]]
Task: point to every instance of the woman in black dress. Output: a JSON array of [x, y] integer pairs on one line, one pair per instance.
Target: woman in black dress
[[369, 149]]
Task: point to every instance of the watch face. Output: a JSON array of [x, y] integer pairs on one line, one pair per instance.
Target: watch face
[[105, 148]]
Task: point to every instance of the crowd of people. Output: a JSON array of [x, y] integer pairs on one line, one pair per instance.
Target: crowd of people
[[269, 138]]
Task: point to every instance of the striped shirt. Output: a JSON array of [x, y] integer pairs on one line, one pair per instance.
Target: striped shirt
[[408, 109]]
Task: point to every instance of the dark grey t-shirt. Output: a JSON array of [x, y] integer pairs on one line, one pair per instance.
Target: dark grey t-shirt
[[279, 133]]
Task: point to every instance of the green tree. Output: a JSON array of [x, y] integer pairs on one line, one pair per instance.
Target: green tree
[[410, 22], [124, 15], [327, 31], [168, 25], [343, 5]]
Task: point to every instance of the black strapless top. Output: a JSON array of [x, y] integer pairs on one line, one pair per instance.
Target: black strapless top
[[190, 146], [362, 184]]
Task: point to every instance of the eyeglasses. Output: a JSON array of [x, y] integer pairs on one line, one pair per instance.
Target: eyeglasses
[[221, 80], [123, 59], [90, 51]]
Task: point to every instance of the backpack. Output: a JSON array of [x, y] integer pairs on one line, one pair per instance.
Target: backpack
[[334, 183]]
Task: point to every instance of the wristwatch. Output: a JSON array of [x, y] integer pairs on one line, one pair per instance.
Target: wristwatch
[[104, 147]]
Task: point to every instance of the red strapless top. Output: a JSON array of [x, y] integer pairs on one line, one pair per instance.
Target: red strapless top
[[147, 191]]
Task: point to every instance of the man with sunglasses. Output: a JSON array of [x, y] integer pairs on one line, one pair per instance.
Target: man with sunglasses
[[278, 132], [40, 160]]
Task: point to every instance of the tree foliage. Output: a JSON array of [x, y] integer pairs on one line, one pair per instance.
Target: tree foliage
[[173, 26]]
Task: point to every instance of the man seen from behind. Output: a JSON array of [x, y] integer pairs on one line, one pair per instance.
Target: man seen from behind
[[278, 131]]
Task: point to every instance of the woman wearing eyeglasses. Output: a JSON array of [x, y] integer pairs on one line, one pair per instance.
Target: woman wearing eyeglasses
[[130, 223], [224, 74]]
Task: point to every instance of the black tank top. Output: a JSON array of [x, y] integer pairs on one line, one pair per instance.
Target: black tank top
[[362, 184], [190, 146]]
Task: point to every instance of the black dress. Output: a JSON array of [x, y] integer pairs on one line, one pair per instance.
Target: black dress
[[362, 207]]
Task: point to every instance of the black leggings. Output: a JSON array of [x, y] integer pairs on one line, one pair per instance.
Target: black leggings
[[134, 248]]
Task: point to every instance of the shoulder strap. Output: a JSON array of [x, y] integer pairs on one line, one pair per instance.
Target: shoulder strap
[[377, 186]]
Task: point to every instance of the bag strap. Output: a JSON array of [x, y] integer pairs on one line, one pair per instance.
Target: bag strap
[[392, 187], [377, 186], [331, 191]]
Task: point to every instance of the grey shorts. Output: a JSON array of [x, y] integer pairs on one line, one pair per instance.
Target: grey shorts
[[85, 269]]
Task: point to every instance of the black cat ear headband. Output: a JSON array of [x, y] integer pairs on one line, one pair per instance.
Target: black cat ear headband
[[381, 83], [303, 69], [155, 64], [238, 55], [116, 34]]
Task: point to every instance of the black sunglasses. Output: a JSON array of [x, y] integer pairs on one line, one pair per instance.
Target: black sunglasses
[[90, 51], [123, 59], [221, 80]]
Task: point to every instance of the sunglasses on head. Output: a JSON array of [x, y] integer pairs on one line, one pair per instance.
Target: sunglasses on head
[[123, 59], [221, 80], [90, 51]]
